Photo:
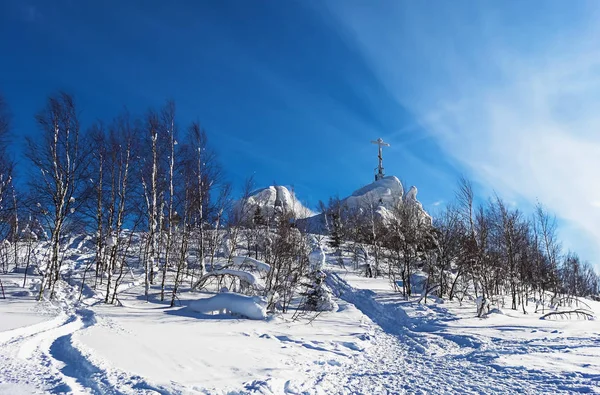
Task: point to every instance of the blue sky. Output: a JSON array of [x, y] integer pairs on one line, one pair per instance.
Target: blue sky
[[503, 92]]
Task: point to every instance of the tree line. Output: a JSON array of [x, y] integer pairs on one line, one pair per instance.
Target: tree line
[[489, 250], [155, 198], [110, 180]]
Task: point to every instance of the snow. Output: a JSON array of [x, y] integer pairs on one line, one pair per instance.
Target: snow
[[272, 199], [449, 350], [253, 307], [247, 277], [20, 315], [382, 196], [386, 192], [374, 342], [111, 241], [317, 259]]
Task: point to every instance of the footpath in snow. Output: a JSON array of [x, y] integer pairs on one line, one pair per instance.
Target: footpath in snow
[[420, 351], [376, 343]]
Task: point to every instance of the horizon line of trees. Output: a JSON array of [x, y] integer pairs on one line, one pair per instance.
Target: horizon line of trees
[[152, 196], [146, 175], [108, 180], [487, 251]]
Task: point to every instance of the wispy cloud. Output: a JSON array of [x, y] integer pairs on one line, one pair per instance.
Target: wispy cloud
[[519, 111]]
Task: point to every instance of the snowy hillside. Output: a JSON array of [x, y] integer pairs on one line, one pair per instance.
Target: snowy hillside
[[270, 200], [131, 264], [374, 342]]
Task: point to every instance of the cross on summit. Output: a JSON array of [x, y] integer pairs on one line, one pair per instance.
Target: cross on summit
[[380, 173]]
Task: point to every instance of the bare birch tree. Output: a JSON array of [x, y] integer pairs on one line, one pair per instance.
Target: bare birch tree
[[58, 182]]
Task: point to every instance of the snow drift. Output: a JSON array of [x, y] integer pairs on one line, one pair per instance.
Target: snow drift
[[252, 307]]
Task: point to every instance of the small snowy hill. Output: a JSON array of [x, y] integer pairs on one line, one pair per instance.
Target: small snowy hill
[[273, 199], [377, 341]]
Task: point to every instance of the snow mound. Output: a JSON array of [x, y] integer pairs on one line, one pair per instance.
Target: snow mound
[[252, 307], [270, 200]]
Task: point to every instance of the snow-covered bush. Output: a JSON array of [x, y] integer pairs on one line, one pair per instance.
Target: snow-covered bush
[[247, 262], [248, 283], [287, 256], [483, 306], [318, 295], [317, 259]]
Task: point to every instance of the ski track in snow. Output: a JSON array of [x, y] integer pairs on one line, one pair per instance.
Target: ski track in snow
[[46, 358]]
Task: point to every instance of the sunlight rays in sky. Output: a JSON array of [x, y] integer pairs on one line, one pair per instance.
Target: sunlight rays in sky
[[519, 112]]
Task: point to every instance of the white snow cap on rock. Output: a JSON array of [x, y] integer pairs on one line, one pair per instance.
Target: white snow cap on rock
[[411, 195], [273, 199], [385, 194], [411, 198]]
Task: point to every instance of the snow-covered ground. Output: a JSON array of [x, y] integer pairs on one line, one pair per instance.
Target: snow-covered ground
[[375, 343], [449, 350]]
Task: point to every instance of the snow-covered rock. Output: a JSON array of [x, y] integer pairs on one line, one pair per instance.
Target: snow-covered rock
[[270, 200], [411, 198], [252, 307], [386, 192], [382, 196]]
